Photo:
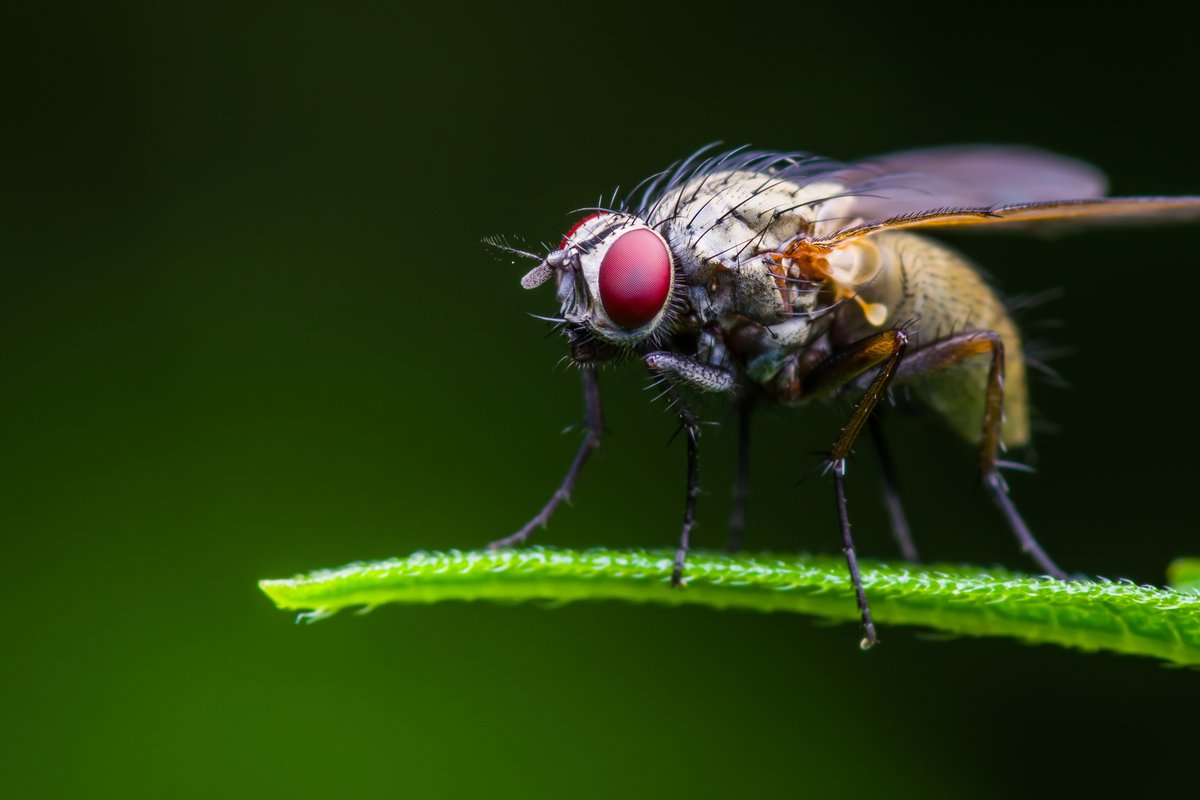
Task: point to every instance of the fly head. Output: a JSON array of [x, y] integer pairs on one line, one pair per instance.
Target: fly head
[[615, 280]]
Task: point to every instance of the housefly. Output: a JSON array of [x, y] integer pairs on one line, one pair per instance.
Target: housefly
[[781, 277]]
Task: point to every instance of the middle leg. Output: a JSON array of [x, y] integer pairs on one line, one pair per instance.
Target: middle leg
[[741, 478], [891, 494], [881, 352]]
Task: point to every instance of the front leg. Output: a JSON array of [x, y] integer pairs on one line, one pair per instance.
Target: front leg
[[594, 424], [688, 372]]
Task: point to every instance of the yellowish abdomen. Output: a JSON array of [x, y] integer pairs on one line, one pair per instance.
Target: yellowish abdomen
[[942, 294]]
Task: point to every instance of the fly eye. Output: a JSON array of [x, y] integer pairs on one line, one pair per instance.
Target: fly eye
[[635, 278]]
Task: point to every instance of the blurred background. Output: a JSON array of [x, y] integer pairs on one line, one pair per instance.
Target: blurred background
[[248, 329]]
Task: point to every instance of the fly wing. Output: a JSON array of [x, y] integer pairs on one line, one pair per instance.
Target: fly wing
[[1056, 214], [968, 176], [974, 185]]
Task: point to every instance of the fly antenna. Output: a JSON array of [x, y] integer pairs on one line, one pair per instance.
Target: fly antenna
[[499, 243]]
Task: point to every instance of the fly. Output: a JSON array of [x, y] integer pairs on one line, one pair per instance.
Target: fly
[[781, 278]]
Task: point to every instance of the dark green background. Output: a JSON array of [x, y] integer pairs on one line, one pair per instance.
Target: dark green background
[[248, 329]]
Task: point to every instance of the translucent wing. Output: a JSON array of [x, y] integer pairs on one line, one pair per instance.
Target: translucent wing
[[1058, 213], [977, 185], [968, 176]]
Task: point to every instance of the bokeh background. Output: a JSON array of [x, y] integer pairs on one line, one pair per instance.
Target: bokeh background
[[247, 328]]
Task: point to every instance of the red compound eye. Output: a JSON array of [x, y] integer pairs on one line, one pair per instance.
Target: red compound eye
[[635, 278]]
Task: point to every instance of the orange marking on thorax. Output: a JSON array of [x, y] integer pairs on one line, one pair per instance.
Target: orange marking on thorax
[[804, 262], [810, 261]]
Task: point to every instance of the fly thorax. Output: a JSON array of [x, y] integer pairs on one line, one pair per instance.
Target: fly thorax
[[725, 217], [768, 307], [777, 344], [756, 291]]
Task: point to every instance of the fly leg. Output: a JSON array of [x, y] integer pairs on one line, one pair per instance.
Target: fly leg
[[594, 427], [689, 505], [891, 494], [682, 371], [882, 352], [949, 352], [741, 477]]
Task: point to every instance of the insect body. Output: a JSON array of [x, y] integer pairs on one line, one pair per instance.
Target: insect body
[[782, 278]]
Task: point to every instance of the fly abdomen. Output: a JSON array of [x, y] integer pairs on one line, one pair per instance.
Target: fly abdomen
[[937, 293]]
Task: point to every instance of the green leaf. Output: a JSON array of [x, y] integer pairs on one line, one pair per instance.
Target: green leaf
[[1184, 575], [1089, 615]]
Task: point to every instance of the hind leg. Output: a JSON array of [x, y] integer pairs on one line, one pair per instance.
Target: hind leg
[[948, 353]]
